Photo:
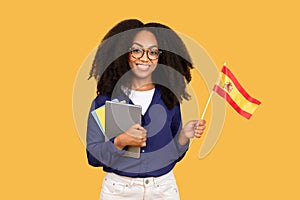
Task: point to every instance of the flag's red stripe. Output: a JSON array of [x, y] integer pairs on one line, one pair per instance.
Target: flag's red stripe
[[223, 94], [226, 71]]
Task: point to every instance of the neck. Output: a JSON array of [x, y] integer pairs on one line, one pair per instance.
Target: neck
[[142, 85]]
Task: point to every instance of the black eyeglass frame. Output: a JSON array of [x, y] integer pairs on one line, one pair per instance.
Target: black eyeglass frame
[[144, 50]]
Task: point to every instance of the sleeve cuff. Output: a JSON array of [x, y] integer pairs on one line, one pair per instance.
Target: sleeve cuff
[[181, 148], [113, 149]]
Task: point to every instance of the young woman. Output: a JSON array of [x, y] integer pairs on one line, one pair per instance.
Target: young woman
[[147, 65]]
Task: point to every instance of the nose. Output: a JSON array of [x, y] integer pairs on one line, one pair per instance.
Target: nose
[[145, 58]]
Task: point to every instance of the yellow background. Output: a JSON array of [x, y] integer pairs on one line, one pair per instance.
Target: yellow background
[[43, 45]]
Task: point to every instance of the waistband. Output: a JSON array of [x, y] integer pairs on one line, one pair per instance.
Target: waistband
[[140, 181]]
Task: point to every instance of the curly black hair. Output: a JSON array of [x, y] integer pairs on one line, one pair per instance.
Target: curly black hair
[[171, 74]]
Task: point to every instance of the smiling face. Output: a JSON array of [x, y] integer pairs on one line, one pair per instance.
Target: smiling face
[[142, 67]]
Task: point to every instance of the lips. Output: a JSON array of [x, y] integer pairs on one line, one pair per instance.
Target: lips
[[143, 67]]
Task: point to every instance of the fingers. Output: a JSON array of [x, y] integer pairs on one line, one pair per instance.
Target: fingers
[[142, 132], [137, 131], [141, 142], [137, 126], [137, 136], [201, 122], [125, 139], [199, 128], [198, 133], [197, 122]]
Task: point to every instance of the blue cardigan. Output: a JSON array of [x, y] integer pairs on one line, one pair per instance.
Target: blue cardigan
[[161, 153]]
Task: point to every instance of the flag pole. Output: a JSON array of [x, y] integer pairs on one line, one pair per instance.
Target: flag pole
[[210, 96], [206, 106]]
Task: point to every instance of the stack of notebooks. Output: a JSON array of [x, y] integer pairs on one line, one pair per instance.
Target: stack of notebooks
[[114, 118]]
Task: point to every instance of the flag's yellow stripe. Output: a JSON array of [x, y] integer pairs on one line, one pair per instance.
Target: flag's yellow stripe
[[236, 96]]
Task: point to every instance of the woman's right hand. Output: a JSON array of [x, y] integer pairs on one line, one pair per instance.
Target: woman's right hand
[[134, 136]]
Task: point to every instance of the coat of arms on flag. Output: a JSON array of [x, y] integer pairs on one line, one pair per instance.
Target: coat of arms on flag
[[228, 87]]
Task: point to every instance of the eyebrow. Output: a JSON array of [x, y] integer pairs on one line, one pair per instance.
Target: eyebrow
[[143, 46]]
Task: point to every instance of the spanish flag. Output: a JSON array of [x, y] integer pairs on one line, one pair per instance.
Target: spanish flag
[[230, 89]]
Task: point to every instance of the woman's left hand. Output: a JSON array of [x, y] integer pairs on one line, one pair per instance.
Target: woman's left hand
[[192, 129]]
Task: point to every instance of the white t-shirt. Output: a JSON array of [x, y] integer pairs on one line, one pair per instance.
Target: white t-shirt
[[142, 98]]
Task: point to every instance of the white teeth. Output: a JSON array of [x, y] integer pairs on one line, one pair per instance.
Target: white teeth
[[143, 67]]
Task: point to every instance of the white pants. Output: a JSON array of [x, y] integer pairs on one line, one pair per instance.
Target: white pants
[[126, 188]]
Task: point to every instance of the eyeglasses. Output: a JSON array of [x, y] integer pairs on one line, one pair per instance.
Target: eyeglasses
[[137, 53]]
